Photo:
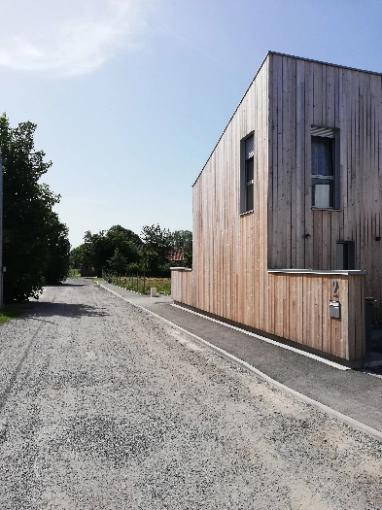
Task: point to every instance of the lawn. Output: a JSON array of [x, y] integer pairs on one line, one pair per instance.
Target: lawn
[[12, 311], [143, 285]]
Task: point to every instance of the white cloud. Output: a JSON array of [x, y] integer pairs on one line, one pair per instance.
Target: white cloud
[[67, 37]]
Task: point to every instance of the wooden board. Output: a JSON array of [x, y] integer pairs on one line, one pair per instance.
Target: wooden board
[[233, 252]]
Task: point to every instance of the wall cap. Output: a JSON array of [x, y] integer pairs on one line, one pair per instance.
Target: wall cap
[[353, 272]]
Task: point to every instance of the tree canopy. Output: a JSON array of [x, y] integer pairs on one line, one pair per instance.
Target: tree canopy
[[121, 251], [35, 243]]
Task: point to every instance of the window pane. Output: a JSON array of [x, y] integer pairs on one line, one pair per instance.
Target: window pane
[[322, 193], [249, 170], [249, 147], [322, 155], [249, 197]]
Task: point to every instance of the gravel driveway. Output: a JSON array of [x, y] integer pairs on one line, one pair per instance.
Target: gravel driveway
[[103, 406]]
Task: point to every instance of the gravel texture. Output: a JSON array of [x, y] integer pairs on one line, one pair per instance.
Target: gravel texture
[[103, 406]]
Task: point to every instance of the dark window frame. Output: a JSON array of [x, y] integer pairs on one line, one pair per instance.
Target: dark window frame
[[247, 184], [345, 255], [332, 179]]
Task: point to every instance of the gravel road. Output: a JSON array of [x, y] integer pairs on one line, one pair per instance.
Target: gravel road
[[103, 406]]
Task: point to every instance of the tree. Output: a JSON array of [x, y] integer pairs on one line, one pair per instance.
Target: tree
[[158, 240], [96, 251], [77, 257], [182, 242], [120, 250], [156, 249], [99, 249], [32, 234], [118, 263], [119, 235], [57, 259]]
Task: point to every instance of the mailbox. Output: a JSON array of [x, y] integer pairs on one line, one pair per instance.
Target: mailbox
[[335, 309]]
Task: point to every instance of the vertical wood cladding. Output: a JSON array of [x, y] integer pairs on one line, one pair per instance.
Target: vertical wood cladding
[[302, 94], [230, 250], [300, 312], [232, 253]]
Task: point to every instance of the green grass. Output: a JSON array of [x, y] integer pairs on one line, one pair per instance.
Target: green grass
[[12, 311], [74, 273], [142, 285]]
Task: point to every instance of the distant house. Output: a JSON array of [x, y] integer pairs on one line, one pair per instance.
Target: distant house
[[287, 210], [176, 256]]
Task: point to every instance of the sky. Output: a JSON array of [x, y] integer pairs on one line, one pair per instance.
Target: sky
[[130, 97]]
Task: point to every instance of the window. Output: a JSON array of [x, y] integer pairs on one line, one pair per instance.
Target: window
[[247, 174], [325, 189], [345, 258]]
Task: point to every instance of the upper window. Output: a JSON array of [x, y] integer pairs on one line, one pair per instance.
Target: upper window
[[247, 174], [324, 168]]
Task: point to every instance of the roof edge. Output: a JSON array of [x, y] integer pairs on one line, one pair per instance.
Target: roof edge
[[232, 116], [270, 52]]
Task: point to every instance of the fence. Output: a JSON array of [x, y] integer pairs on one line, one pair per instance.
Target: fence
[[140, 283], [296, 307]]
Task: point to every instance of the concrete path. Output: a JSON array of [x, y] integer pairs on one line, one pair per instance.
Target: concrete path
[[352, 393]]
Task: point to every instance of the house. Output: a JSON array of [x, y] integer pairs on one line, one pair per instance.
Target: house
[[176, 256], [287, 209]]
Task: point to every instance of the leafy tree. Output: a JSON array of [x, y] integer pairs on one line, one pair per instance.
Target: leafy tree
[[156, 250], [134, 268], [127, 242], [149, 263], [32, 233], [150, 254], [99, 249], [160, 246], [57, 258], [117, 263], [96, 250], [77, 257], [119, 235], [158, 240], [182, 242]]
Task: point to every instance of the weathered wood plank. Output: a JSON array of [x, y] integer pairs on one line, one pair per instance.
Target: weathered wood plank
[[232, 252]]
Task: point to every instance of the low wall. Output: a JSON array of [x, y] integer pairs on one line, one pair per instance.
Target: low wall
[[297, 308], [182, 285]]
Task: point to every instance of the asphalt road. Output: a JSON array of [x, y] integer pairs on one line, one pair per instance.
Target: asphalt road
[[103, 406]]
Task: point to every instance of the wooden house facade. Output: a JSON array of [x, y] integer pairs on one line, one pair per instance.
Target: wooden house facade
[[287, 209]]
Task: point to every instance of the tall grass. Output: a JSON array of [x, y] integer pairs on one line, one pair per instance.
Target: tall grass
[[142, 285]]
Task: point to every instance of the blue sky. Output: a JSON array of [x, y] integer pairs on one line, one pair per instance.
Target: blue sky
[[130, 97]]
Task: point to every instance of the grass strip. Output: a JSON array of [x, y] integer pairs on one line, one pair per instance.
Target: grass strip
[[12, 311], [142, 285]]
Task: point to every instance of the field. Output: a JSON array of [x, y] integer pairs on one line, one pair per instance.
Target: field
[[143, 285]]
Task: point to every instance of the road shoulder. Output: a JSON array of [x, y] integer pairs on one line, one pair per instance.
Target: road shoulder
[[351, 396]]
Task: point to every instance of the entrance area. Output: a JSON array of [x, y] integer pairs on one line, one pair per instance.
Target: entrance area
[[373, 324]]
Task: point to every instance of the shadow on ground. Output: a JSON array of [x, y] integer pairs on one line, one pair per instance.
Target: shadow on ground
[[46, 309], [67, 284]]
